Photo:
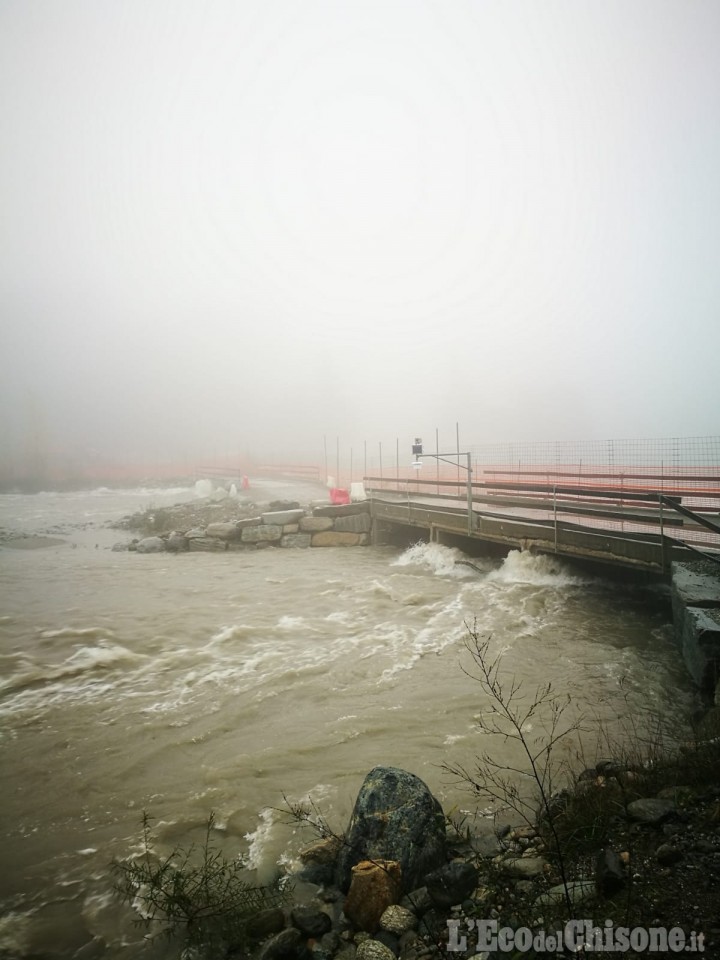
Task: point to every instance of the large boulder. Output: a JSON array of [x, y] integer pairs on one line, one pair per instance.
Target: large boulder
[[207, 545], [395, 818], [316, 524], [222, 530], [281, 517], [295, 540], [265, 533], [176, 542], [151, 545], [330, 538]]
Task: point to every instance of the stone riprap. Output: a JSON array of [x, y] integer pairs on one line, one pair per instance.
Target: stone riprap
[[695, 592], [325, 525]]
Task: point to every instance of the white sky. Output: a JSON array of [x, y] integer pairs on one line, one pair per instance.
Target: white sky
[[246, 224]]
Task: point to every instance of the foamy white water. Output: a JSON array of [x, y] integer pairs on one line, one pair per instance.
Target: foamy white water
[[185, 684]]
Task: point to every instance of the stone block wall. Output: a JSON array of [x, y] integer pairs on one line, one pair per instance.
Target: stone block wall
[[347, 525]]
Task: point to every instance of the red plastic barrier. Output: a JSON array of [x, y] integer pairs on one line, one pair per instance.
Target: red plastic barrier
[[338, 495]]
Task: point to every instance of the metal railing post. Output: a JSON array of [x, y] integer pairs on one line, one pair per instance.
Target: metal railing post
[[555, 515], [662, 534], [469, 494]]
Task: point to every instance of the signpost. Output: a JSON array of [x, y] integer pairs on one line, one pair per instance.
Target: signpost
[[417, 451]]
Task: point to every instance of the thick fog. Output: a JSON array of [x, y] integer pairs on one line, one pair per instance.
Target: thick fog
[[249, 225]]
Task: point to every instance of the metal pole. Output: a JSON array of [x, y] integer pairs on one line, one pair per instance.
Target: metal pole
[[364, 458], [469, 493], [662, 534], [437, 461], [555, 515], [457, 447], [337, 460]]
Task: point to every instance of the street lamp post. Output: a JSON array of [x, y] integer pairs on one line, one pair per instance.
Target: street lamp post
[[417, 450]]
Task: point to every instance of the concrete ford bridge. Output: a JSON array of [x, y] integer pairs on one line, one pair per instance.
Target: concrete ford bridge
[[642, 520]]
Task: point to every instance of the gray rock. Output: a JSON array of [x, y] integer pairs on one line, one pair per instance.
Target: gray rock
[[196, 533], [389, 940], [284, 505], [151, 545], [666, 854], [418, 901], [398, 920], [579, 891], [395, 818], [225, 530], [487, 845], [296, 540], [207, 545], [310, 921], [177, 542], [451, 883], [609, 768], [331, 941], [265, 923], [374, 950], [347, 953], [120, 547], [695, 587], [700, 639], [523, 867], [356, 523], [286, 945], [331, 538], [248, 522], [651, 810], [265, 533], [609, 872], [281, 517], [316, 524]]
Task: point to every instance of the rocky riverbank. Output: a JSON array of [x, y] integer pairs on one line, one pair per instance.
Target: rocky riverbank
[[404, 882], [228, 524]]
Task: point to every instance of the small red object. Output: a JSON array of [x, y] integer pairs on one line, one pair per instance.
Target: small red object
[[338, 495]]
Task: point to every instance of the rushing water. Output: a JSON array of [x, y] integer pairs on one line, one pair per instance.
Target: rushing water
[[185, 684]]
